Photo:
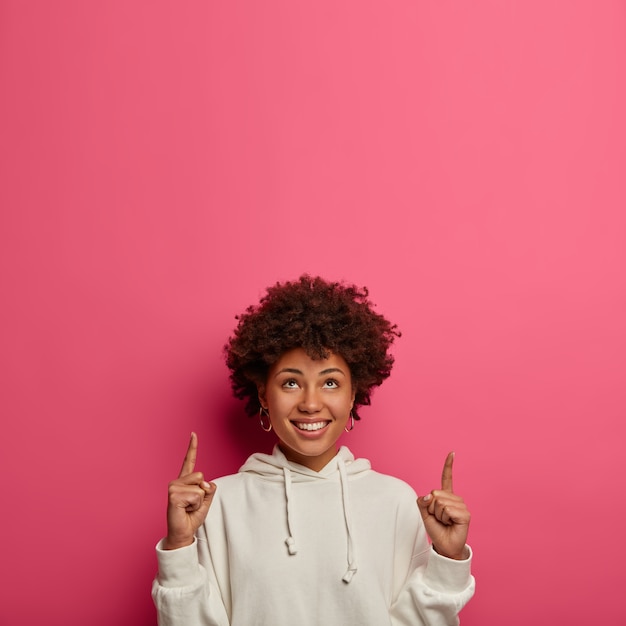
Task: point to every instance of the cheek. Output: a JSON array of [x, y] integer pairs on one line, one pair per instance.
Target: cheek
[[278, 402], [343, 406]]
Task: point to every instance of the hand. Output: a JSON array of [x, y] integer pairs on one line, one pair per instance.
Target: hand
[[446, 517], [190, 497]]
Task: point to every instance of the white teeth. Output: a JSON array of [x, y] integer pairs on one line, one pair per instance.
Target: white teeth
[[309, 426]]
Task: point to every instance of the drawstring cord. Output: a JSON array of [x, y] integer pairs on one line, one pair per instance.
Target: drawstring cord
[[351, 571], [290, 541], [345, 498]]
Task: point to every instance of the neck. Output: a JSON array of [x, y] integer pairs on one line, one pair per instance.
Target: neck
[[315, 463]]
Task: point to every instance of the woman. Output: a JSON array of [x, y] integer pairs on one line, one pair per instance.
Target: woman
[[308, 535]]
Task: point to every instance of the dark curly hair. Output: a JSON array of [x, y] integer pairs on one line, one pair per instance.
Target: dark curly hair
[[319, 316]]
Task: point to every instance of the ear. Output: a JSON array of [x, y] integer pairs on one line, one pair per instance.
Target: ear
[[261, 392], [353, 398]]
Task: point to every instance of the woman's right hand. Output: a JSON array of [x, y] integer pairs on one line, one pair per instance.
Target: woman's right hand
[[190, 497]]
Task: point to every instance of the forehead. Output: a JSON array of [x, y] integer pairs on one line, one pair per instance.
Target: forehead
[[298, 359]]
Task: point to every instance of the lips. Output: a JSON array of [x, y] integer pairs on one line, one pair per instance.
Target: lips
[[310, 426]]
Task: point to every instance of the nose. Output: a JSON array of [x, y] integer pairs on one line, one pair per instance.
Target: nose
[[310, 401]]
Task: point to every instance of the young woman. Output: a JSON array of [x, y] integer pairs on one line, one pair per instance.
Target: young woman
[[309, 535]]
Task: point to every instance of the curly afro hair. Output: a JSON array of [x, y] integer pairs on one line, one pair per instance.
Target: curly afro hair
[[319, 316]]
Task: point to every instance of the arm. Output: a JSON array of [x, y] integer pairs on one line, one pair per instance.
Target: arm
[[440, 583], [185, 591], [435, 592]]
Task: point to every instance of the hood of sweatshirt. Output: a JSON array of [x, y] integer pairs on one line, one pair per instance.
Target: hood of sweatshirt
[[277, 467], [272, 466]]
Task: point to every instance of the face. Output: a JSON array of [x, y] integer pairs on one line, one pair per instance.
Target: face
[[309, 403]]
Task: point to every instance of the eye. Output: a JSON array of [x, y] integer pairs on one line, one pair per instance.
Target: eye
[[290, 383], [331, 383]]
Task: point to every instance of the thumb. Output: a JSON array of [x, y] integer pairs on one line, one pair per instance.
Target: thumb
[[422, 505], [209, 493]]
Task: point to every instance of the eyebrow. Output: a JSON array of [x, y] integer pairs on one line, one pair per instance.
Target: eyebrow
[[293, 370]]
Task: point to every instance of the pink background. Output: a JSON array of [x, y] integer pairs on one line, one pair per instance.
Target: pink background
[[162, 162]]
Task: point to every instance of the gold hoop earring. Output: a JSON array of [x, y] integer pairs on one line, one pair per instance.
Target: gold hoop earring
[[351, 423], [263, 412]]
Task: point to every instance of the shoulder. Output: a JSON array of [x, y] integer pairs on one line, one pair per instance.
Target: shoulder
[[384, 502], [230, 492], [391, 486], [230, 480]]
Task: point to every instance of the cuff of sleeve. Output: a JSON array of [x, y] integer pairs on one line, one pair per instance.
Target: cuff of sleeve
[[448, 575], [180, 567]]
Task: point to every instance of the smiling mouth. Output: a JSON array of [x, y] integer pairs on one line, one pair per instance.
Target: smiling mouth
[[310, 426]]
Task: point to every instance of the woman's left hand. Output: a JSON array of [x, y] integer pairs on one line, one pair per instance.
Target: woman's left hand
[[446, 517]]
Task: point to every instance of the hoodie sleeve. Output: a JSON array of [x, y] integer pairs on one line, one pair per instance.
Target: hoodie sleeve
[[185, 592], [436, 588]]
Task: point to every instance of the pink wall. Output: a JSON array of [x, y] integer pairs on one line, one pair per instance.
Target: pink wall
[[162, 162]]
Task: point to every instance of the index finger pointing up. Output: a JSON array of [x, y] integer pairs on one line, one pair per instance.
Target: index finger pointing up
[[190, 458], [446, 474]]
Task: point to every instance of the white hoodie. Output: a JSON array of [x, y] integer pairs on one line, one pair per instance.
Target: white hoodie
[[284, 545]]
